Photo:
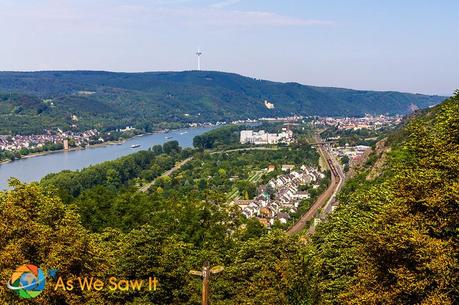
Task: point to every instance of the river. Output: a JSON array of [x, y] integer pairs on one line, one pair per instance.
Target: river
[[35, 168]]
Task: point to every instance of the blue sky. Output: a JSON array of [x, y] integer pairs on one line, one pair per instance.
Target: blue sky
[[382, 45]]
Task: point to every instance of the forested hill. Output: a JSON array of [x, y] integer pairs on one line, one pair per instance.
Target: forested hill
[[147, 100]]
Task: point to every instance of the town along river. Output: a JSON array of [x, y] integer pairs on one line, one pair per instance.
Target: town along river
[[35, 168]]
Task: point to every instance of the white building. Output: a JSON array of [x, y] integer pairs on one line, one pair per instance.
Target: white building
[[261, 137]]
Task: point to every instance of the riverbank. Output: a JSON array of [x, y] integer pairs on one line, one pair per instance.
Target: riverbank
[[44, 153], [33, 169], [98, 145], [119, 142]]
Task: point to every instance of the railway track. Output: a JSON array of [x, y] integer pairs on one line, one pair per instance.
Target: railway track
[[324, 197]]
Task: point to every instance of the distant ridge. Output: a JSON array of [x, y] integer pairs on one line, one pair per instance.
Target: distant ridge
[[113, 99]]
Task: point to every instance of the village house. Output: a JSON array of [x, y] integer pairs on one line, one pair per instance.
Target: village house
[[284, 198], [287, 167]]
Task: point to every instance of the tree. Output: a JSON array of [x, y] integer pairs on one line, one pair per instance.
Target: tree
[[246, 195], [113, 178], [44, 232], [266, 270], [171, 147], [157, 149], [147, 251], [222, 173]]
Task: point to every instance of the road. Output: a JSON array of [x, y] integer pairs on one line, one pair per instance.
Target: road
[[168, 173], [330, 192], [243, 149]]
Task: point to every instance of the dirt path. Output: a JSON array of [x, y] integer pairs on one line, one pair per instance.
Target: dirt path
[[146, 187]]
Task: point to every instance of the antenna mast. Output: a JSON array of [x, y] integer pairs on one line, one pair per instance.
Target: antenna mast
[[199, 53]]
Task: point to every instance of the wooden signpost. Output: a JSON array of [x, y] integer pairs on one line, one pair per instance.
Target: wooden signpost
[[205, 274]]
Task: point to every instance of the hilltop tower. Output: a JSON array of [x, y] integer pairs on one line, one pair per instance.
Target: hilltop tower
[[198, 54]]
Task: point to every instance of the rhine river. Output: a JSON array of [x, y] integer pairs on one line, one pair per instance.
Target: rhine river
[[35, 168]]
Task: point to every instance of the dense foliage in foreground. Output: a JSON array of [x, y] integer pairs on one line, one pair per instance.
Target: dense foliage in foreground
[[394, 239]]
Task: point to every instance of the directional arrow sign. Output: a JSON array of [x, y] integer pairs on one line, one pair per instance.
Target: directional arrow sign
[[217, 269], [195, 272]]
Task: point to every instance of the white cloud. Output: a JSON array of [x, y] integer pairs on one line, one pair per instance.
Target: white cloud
[[225, 3], [67, 14], [221, 17], [262, 18]]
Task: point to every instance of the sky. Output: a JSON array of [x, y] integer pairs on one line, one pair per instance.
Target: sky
[[409, 45]]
